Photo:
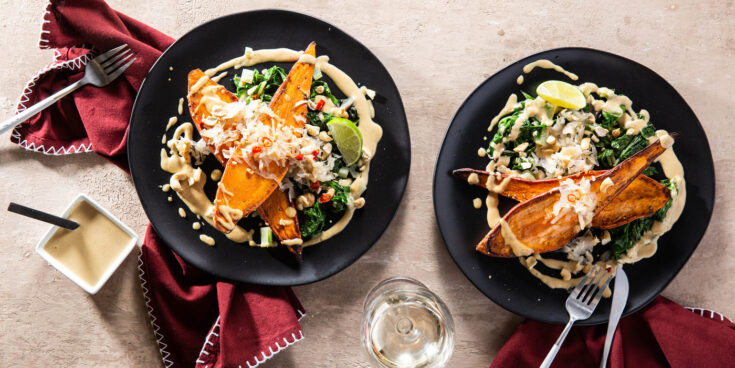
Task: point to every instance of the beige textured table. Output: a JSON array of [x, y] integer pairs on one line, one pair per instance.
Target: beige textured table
[[437, 52]]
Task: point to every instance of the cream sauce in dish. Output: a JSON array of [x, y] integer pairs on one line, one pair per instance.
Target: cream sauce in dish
[[91, 249]]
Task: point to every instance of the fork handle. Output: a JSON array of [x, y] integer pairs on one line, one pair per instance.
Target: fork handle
[[557, 345], [35, 109]]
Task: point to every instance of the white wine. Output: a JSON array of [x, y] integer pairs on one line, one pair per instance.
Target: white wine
[[406, 325]]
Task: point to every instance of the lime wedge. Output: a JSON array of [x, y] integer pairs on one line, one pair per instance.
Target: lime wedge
[[562, 94], [348, 139]]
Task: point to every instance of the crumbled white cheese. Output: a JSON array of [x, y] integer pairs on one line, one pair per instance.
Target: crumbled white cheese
[[199, 152], [577, 197], [239, 124]]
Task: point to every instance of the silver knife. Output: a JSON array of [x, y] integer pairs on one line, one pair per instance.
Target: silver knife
[[620, 297]]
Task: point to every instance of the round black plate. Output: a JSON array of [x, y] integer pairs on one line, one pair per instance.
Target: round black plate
[[504, 280], [222, 39]]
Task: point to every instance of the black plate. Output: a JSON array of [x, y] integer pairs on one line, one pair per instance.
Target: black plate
[[222, 39], [462, 226]]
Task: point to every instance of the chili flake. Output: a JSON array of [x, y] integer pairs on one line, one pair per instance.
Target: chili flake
[[324, 198]]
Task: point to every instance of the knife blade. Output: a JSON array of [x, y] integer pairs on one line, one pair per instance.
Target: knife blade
[[620, 298]]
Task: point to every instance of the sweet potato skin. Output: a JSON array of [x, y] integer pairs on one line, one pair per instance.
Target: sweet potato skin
[[530, 221], [642, 198], [241, 188]]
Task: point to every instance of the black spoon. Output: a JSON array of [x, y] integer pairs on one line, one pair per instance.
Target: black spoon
[[43, 216]]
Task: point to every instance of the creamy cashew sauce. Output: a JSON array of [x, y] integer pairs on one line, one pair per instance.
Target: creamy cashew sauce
[[546, 64], [171, 122], [188, 182], [216, 175], [646, 246], [91, 249]]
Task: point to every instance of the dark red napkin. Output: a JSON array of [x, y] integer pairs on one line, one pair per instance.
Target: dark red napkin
[[663, 334], [91, 118], [215, 323], [198, 320]]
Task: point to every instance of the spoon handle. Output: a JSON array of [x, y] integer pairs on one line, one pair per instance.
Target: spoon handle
[[42, 216]]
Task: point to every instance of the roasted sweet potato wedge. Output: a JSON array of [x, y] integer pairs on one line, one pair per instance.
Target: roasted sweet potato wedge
[[527, 228], [273, 209], [642, 198], [211, 93], [241, 190], [518, 188]]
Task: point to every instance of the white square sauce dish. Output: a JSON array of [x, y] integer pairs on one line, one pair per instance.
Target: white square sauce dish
[[90, 254]]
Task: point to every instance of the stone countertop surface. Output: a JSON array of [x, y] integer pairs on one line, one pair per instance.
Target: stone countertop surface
[[437, 52]]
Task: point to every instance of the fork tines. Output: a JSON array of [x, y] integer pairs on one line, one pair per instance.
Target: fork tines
[[101, 58], [117, 60], [593, 285], [114, 62]]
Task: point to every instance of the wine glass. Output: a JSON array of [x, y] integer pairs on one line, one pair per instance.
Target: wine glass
[[406, 325]]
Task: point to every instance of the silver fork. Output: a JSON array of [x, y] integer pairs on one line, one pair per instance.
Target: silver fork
[[100, 71], [580, 304]]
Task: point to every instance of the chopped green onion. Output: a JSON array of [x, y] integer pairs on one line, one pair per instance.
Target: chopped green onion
[[266, 237]]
